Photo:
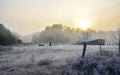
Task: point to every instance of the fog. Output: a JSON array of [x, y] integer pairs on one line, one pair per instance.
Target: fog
[[58, 33]]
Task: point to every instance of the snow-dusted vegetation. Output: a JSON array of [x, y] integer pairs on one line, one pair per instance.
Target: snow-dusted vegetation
[[59, 60]]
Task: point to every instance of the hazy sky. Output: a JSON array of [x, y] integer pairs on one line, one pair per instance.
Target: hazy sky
[[29, 16]]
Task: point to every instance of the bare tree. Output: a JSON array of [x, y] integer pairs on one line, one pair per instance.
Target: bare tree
[[116, 37], [87, 34]]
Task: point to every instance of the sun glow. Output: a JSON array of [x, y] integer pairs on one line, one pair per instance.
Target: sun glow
[[84, 24]]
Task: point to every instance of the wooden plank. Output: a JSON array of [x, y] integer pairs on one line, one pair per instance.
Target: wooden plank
[[92, 42]]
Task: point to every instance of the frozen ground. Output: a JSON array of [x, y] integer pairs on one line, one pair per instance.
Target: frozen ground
[[44, 56]]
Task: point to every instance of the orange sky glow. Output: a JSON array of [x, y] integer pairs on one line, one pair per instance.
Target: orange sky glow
[[29, 16]]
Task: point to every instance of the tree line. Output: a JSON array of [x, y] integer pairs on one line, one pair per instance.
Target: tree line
[[7, 37], [58, 33]]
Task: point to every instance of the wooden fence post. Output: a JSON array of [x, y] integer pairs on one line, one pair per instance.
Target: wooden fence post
[[84, 50]]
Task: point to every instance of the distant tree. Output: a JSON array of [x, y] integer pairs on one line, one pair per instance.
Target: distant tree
[[87, 34], [6, 36], [57, 33], [116, 37], [53, 34]]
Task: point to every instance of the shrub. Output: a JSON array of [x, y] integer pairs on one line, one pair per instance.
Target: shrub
[[6, 37]]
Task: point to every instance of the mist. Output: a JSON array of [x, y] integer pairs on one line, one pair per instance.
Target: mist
[[59, 37]]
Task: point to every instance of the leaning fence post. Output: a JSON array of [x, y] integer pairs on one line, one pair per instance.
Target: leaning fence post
[[84, 50]]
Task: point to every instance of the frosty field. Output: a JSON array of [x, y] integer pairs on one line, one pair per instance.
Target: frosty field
[[24, 59]]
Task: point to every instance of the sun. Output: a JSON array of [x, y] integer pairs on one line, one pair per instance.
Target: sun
[[84, 24]]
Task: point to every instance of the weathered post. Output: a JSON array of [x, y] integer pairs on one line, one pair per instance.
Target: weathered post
[[84, 50], [50, 43]]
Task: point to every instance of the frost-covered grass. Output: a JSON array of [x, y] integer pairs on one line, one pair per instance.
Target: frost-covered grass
[[104, 63], [59, 60]]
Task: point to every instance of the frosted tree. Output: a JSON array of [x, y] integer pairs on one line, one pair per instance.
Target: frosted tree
[[116, 37], [87, 34]]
